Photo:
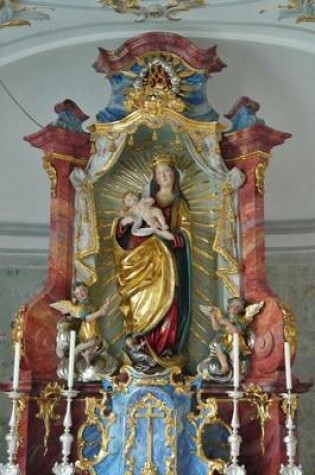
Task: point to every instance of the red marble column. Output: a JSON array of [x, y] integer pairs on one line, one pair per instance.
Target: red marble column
[[249, 150], [63, 150]]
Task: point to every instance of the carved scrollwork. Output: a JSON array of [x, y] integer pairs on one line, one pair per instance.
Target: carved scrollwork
[[261, 401], [99, 424], [47, 401]]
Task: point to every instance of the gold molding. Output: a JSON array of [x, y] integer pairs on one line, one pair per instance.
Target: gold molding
[[154, 119], [50, 157], [47, 401], [261, 401], [248, 156], [52, 174]]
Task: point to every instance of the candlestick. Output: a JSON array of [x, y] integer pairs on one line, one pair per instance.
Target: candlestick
[[287, 361], [65, 467], [12, 438], [233, 467], [236, 360], [290, 439], [71, 359], [16, 365]]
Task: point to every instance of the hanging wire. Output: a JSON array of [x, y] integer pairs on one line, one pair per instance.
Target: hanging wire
[[16, 102]]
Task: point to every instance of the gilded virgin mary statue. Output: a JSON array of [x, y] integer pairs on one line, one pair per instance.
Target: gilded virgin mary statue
[[153, 266]]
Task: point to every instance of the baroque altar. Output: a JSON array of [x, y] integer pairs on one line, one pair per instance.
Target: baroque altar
[[157, 260]]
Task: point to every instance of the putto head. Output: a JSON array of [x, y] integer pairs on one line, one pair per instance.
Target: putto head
[[80, 291], [131, 198]]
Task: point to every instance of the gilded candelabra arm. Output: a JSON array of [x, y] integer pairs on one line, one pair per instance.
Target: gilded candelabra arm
[[47, 401], [261, 401]]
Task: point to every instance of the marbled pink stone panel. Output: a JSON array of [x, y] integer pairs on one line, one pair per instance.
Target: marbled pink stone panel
[[40, 319], [267, 358]]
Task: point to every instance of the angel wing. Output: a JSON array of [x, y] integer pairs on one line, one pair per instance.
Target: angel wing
[[252, 310], [65, 307]]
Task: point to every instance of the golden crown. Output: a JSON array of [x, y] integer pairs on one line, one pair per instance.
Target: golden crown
[[162, 158]]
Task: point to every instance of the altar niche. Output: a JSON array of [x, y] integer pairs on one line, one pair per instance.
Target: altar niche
[[195, 279], [157, 213]]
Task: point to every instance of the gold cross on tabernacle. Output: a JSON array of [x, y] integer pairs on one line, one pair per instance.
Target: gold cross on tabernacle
[[149, 468]]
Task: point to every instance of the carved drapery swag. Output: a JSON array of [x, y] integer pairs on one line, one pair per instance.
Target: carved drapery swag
[[207, 156], [86, 239]]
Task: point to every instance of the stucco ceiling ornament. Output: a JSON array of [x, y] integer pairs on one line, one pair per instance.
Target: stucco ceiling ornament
[[15, 13], [151, 9], [302, 10]]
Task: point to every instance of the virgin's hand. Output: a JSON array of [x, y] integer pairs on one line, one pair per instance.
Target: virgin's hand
[[165, 234], [105, 305], [127, 220]]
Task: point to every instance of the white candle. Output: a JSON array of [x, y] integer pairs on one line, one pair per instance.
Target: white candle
[[16, 365], [236, 360], [71, 359], [287, 361]]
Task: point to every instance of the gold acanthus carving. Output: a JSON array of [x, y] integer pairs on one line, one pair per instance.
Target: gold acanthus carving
[[17, 332], [260, 171], [47, 401], [207, 413], [153, 100], [290, 327], [261, 401], [95, 409], [52, 174]]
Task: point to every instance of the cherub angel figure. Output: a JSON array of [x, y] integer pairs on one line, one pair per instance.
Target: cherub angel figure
[[239, 316], [82, 315], [137, 209]]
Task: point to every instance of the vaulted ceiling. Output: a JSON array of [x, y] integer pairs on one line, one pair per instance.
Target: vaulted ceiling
[[46, 52]]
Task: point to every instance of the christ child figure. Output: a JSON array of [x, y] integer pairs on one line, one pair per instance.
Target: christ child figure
[[137, 209]]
